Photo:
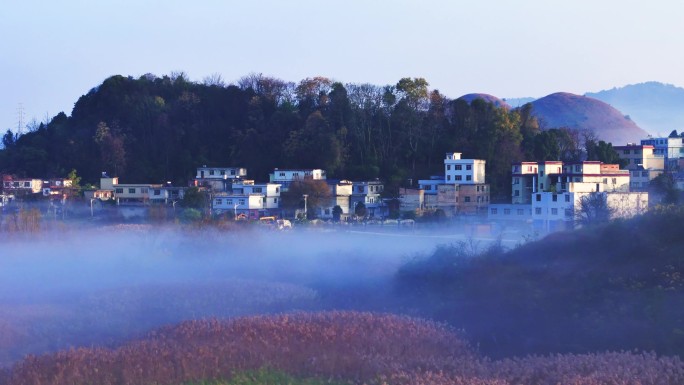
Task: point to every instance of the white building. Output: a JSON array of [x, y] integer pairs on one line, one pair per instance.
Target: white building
[[219, 178], [250, 206], [285, 177], [22, 186], [270, 192], [463, 171], [462, 189]]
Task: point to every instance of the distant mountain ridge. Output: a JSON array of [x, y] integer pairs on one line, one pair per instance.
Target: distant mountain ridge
[[564, 109], [654, 106]]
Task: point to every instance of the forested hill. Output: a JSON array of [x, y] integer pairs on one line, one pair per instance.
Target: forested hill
[[156, 129]]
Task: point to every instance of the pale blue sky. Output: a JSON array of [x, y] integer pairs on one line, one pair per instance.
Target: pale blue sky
[[52, 52]]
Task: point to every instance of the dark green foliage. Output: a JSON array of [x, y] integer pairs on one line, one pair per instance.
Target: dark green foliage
[[158, 129], [613, 287]]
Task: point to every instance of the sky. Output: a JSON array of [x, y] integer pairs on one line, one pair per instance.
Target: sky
[[53, 52]]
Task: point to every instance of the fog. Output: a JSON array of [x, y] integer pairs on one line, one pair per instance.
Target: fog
[[65, 289]]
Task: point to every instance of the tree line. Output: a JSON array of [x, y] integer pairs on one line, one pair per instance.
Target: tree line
[[158, 129]]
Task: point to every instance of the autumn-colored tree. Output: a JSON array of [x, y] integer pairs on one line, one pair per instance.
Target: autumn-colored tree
[[316, 190]]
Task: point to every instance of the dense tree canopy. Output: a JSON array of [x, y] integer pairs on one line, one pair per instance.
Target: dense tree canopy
[[158, 129]]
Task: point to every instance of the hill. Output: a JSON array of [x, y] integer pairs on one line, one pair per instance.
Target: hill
[[486, 97], [654, 106], [619, 286], [584, 113]]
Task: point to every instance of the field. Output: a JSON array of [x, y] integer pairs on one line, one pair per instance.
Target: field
[[158, 307]]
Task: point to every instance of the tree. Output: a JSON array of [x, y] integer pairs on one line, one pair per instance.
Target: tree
[[593, 209], [316, 190], [337, 213], [663, 189], [195, 198], [603, 152], [360, 210], [112, 150]]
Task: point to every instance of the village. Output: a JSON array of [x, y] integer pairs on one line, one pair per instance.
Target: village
[[548, 196]]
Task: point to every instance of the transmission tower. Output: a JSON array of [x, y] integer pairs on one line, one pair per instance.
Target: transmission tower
[[20, 119]]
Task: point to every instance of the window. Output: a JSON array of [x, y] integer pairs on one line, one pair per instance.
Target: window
[[537, 210], [277, 190], [280, 174], [507, 211], [469, 167], [257, 189], [626, 152], [131, 191], [241, 201], [27, 184], [516, 193], [458, 167], [119, 191], [644, 173], [554, 198], [448, 177], [605, 180], [554, 211], [469, 177], [614, 180], [448, 167], [577, 168], [466, 199], [568, 213], [567, 197], [275, 200], [232, 172], [494, 211], [143, 190], [211, 172], [516, 180], [359, 189], [541, 172], [458, 177], [157, 192], [229, 201], [541, 186], [219, 201], [521, 211], [538, 197]]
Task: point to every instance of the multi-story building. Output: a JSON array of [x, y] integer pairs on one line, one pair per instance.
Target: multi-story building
[[340, 195], [22, 186], [671, 149], [549, 194], [411, 199], [644, 164], [219, 178], [285, 177], [270, 192], [369, 193], [140, 193], [463, 171], [462, 189], [530, 177], [249, 206]]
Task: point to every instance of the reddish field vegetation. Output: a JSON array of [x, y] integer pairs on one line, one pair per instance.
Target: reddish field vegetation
[[357, 347]]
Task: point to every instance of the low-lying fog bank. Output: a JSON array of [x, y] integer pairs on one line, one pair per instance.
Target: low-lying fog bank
[[85, 288]]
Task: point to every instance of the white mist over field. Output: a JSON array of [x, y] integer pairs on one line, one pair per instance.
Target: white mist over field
[[86, 288]]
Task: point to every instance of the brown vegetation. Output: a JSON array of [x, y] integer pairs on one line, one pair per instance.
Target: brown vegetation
[[359, 347]]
